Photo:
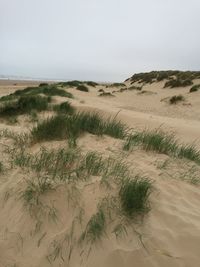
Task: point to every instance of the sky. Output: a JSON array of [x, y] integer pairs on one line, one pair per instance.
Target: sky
[[101, 40]]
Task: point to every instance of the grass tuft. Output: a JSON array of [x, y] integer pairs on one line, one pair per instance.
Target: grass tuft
[[1, 167], [25, 104], [152, 141], [95, 228], [189, 152], [194, 88], [176, 98], [134, 194]]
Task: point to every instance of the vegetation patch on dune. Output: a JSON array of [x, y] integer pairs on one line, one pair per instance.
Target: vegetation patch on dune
[[194, 88], [48, 90], [95, 228], [106, 94], [175, 78], [82, 88], [76, 83], [176, 98], [161, 142], [117, 85], [178, 83], [61, 127], [65, 108], [134, 194], [24, 104]]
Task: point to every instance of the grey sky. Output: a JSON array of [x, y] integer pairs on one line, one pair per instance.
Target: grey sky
[[103, 40]]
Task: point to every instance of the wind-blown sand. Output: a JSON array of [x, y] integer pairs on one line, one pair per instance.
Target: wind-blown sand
[[169, 235]]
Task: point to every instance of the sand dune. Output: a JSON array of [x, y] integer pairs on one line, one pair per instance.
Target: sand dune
[[168, 235]]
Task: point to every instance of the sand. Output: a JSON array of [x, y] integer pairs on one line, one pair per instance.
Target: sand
[[169, 235]]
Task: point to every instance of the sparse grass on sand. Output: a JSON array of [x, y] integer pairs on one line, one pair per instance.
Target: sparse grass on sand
[[161, 142], [34, 189], [95, 228]]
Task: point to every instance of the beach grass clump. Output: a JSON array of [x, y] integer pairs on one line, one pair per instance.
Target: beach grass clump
[[190, 152], [134, 195], [176, 98], [155, 140], [82, 88], [24, 104], [95, 228], [54, 91], [74, 83], [61, 127], [1, 167], [115, 128], [91, 83], [9, 108], [64, 108], [106, 94], [133, 87], [117, 85], [53, 128], [161, 142], [194, 88], [28, 103], [178, 83], [174, 78]]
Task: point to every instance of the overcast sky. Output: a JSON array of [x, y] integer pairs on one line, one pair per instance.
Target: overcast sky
[[103, 40]]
